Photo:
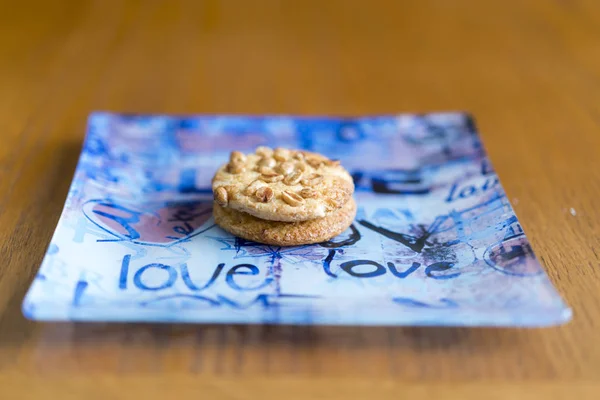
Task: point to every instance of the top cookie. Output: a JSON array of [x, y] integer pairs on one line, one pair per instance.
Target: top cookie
[[282, 184]]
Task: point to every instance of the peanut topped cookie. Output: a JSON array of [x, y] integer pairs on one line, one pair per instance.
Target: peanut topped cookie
[[282, 184], [285, 233]]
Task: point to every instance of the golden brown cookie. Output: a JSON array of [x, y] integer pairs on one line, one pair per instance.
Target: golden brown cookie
[[285, 233], [282, 184]]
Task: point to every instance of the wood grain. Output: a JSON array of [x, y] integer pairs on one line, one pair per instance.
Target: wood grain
[[528, 70]]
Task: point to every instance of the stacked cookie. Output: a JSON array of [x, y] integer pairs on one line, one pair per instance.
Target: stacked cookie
[[283, 197]]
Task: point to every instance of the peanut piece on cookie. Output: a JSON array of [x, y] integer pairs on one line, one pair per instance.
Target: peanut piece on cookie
[[264, 194], [221, 196], [293, 199]]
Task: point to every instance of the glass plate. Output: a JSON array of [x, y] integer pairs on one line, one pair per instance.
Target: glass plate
[[435, 241]]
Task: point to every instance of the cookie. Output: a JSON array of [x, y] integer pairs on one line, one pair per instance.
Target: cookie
[[285, 233], [282, 184]]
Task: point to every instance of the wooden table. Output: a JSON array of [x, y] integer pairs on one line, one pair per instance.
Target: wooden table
[[529, 71]]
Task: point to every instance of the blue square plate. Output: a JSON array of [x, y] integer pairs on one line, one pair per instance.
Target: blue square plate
[[435, 241]]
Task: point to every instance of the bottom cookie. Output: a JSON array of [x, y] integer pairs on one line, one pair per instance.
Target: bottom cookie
[[279, 233]]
